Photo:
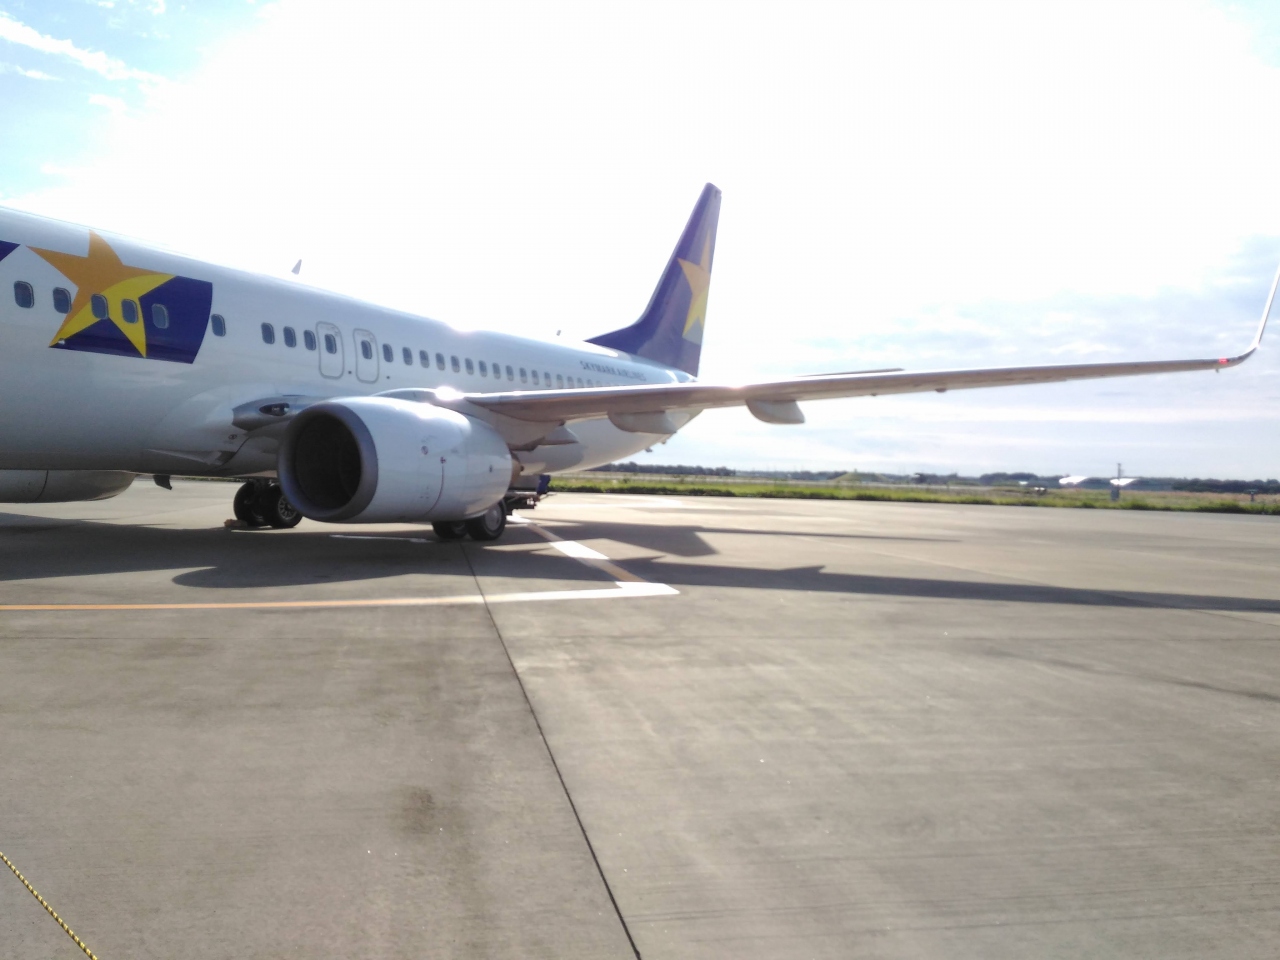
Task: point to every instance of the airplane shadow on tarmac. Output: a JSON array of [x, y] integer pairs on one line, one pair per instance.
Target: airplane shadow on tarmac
[[38, 548]]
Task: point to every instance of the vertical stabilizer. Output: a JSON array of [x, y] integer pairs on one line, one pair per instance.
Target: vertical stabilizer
[[670, 329]]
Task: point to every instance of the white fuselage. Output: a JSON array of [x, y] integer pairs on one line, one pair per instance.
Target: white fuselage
[[70, 409]]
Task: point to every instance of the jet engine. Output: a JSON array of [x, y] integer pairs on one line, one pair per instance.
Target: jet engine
[[380, 460], [61, 486]]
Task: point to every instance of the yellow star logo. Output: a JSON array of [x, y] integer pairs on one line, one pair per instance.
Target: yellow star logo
[[102, 272], [699, 277]]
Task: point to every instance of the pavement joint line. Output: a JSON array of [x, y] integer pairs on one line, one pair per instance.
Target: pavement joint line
[[546, 744]]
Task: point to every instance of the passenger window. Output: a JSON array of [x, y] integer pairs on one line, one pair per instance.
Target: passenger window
[[484, 369], [424, 358], [366, 349], [61, 300], [219, 325], [387, 353], [308, 339], [524, 375], [547, 377], [24, 294], [330, 343], [129, 310], [511, 374], [439, 361], [160, 316], [453, 362], [98, 306], [268, 333], [579, 383], [559, 381], [535, 378], [408, 356], [471, 367], [290, 338], [497, 371]]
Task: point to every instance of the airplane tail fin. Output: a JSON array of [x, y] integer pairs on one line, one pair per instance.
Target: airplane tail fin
[[670, 329]]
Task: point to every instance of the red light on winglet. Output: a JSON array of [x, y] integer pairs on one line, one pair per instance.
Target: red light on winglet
[[1223, 360]]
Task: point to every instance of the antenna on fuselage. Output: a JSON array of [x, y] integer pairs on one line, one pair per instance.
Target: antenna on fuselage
[[297, 268]]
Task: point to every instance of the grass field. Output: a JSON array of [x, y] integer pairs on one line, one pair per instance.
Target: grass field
[[656, 484]]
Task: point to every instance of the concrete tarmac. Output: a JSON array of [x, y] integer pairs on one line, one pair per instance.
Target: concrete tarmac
[[842, 729]]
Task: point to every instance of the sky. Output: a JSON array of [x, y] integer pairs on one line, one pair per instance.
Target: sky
[[918, 185]]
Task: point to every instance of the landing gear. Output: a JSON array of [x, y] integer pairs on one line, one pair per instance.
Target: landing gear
[[246, 508], [280, 513], [261, 503], [490, 524]]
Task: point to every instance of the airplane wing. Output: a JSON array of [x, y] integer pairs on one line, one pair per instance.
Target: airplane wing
[[641, 407], [527, 418], [564, 405]]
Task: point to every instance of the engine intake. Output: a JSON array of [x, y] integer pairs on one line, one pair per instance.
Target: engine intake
[[379, 459]]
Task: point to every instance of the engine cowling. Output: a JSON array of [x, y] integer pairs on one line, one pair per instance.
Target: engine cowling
[[380, 460], [61, 486]]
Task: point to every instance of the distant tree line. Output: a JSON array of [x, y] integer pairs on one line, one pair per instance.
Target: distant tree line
[[1227, 486], [680, 470], [1195, 485], [667, 469], [994, 479]]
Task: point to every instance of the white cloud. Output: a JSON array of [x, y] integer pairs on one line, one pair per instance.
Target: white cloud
[[24, 72], [113, 104], [109, 67]]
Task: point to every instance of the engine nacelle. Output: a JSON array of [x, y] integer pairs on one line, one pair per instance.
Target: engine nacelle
[[380, 460], [61, 486]]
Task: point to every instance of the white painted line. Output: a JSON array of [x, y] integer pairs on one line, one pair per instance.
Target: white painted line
[[579, 551], [390, 538], [625, 585], [621, 590]]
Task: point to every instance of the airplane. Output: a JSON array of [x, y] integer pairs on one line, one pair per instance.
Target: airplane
[[119, 359]]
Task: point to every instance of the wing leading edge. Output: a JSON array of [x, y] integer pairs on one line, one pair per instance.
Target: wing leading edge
[[772, 401]]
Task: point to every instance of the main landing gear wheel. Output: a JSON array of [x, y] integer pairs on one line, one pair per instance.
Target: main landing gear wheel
[[490, 524], [280, 513], [246, 508], [450, 529], [264, 504]]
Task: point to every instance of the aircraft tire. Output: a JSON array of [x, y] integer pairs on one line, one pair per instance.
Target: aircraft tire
[[279, 512], [489, 525], [246, 508], [450, 529]]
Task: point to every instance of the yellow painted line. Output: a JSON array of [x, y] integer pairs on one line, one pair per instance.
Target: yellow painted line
[[625, 584], [247, 604]]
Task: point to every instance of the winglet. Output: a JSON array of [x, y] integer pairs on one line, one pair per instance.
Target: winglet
[[1262, 326], [1266, 312]]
